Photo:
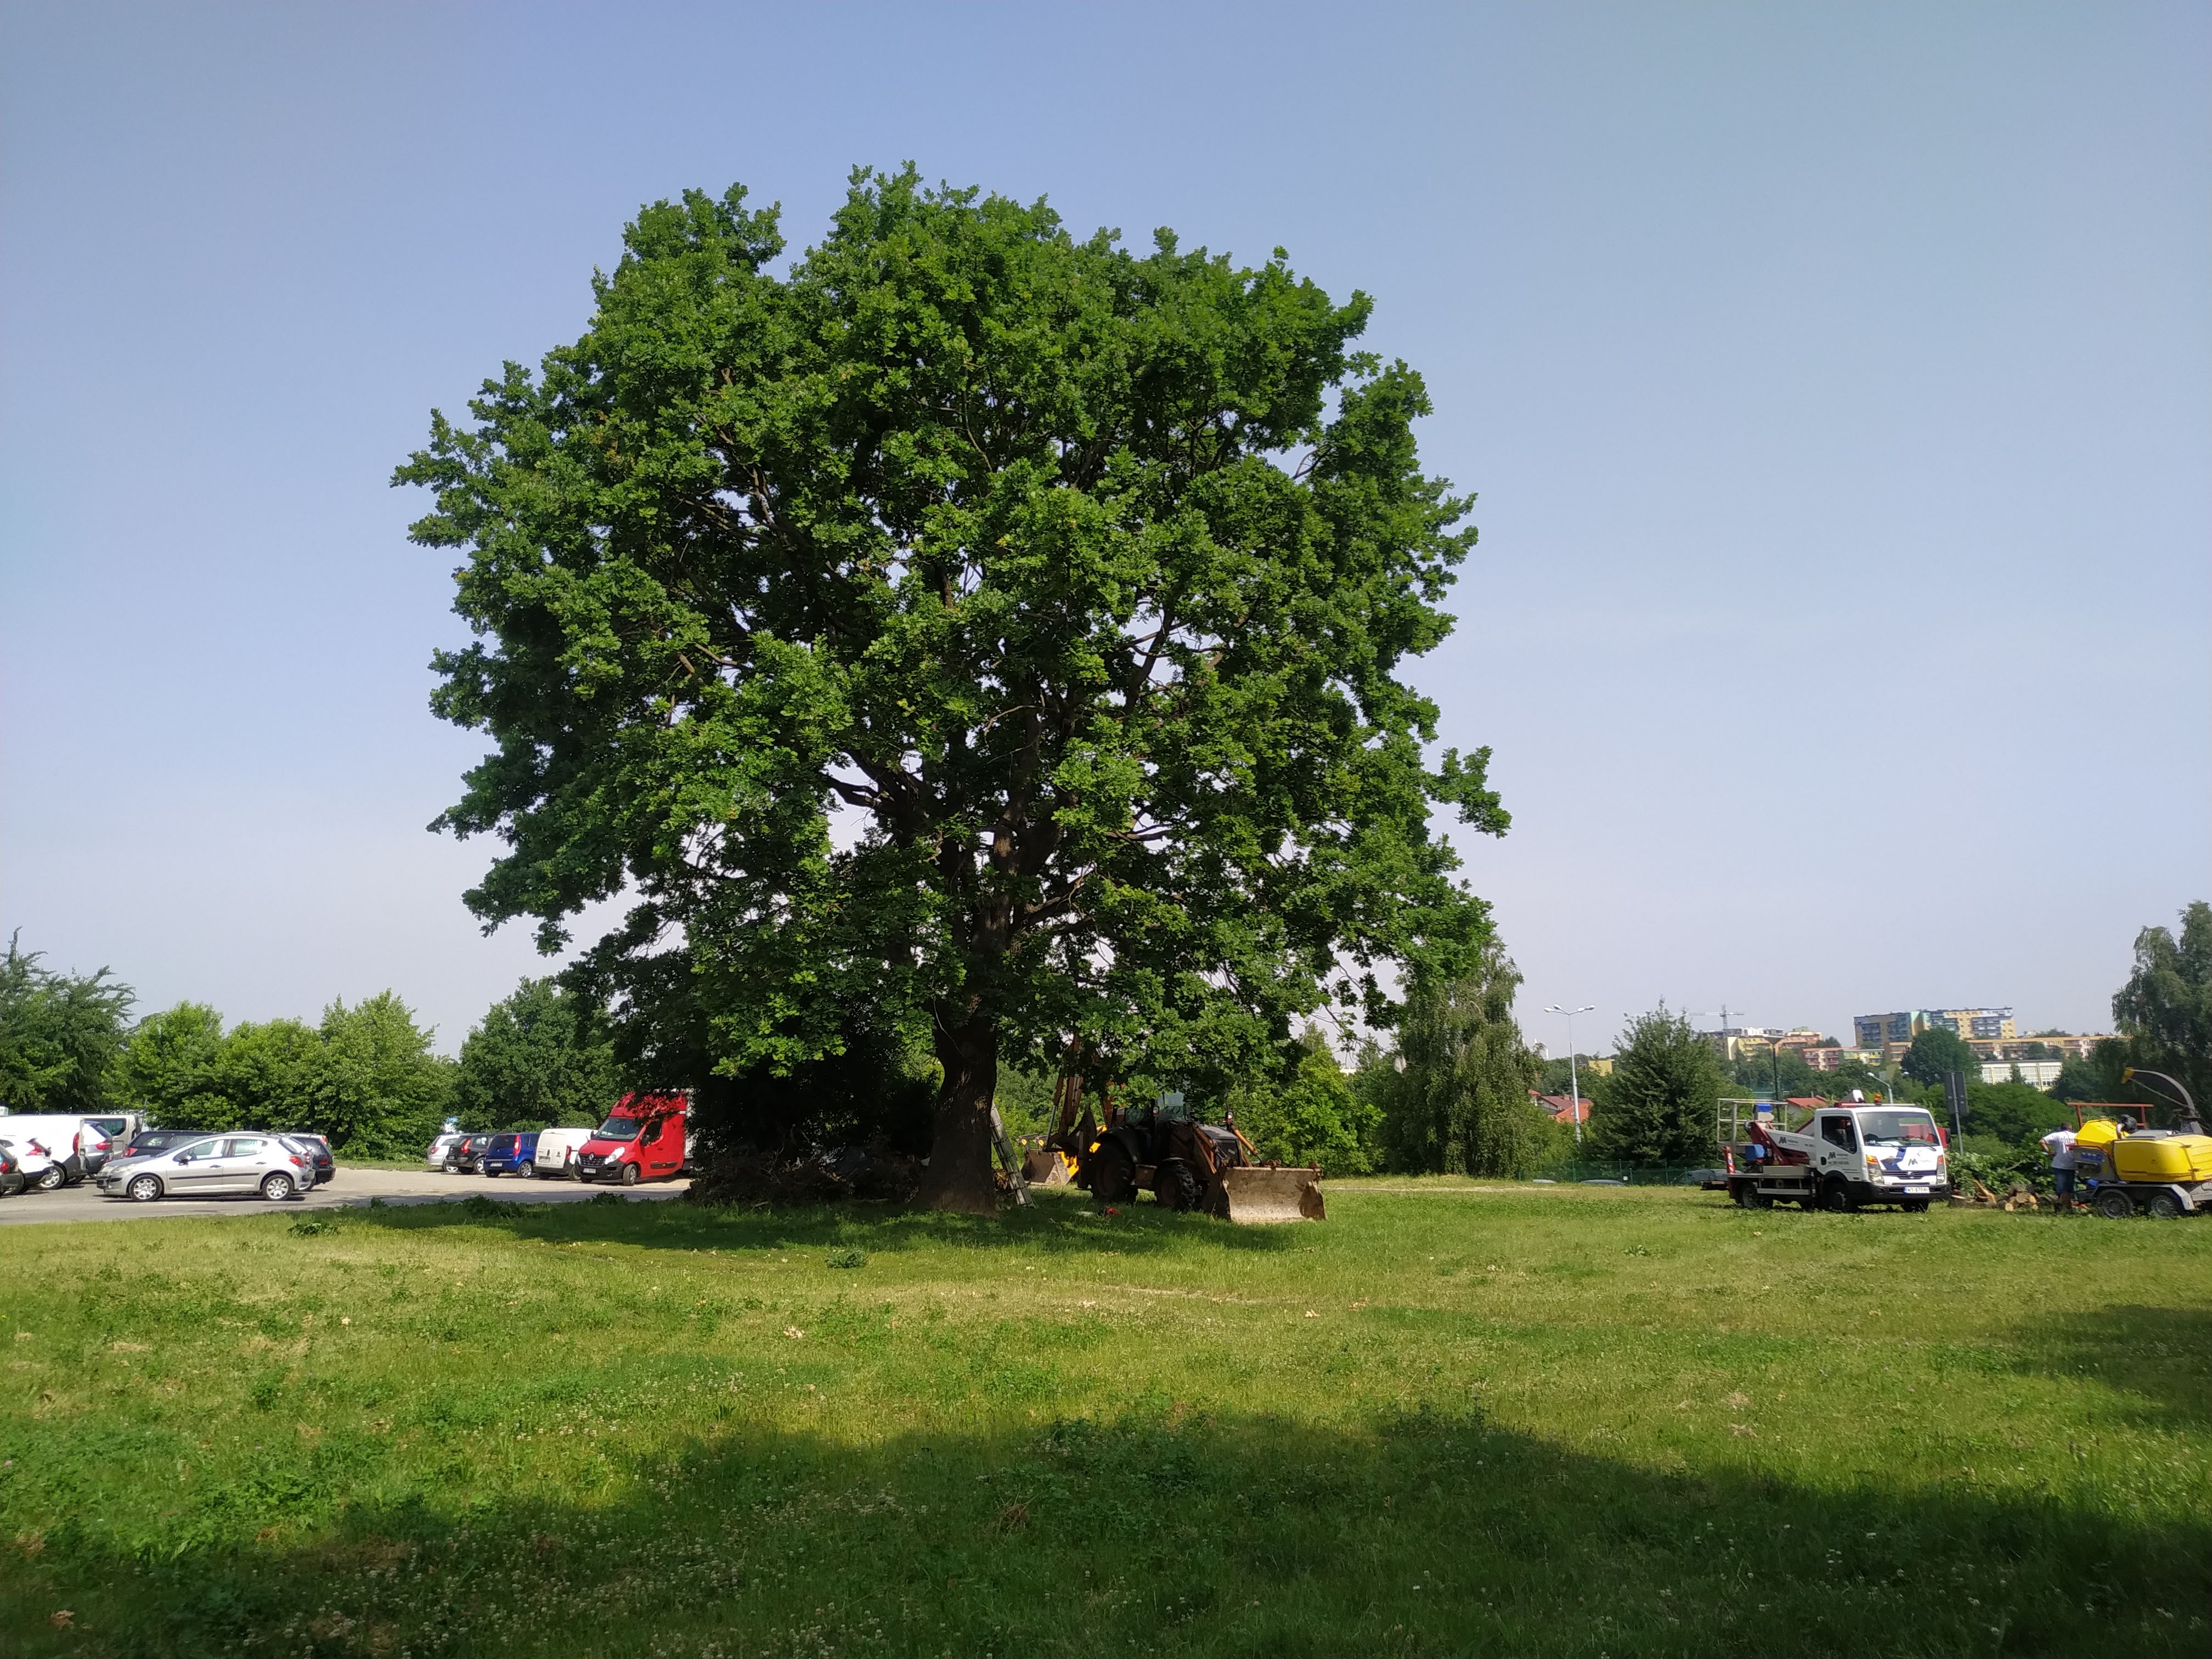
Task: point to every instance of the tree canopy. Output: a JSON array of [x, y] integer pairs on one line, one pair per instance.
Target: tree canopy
[[364, 1076], [2164, 1010], [539, 1057], [1460, 1104], [1659, 1105], [1937, 1050], [58, 1034], [972, 625]]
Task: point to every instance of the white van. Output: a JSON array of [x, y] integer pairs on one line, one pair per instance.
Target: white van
[[78, 1146], [557, 1149]]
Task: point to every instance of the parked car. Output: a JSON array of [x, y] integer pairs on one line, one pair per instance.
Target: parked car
[[120, 1127], [147, 1142], [514, 1152], [12, 1179], [463, 1156], [77, 1146], [642, 1139], [263, 1163], [320, 1156], [557, 1150], [442, 1151], [40, 1173]]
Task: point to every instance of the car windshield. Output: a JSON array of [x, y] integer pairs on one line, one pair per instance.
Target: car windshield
[[617, 1128], [1898, 1128]]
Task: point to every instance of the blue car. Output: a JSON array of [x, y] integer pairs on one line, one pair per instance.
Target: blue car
[[513, 1153]]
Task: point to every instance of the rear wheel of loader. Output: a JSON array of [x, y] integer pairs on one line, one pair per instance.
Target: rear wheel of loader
[[2114, 1205], [1112, 1178], [1175, 1185], [2162, 1206]]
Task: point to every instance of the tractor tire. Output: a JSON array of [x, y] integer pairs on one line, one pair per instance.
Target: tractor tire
[[2114, 1205], [1836, 1197], [1112, 1178], [2163, 1207], [1175, 1186]]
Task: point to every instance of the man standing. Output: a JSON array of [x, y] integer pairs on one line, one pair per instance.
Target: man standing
[[2059, 1143]]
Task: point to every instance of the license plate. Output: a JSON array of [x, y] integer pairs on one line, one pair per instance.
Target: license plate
[[1916, 1192]]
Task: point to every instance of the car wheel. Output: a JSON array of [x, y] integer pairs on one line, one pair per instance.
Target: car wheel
[[1836, 1198], [276, 1188], [49, 1179], [452, 1169], [2114, 1205], [629, 1174], [526, 1169], [144, 1188], [2162, 1206]]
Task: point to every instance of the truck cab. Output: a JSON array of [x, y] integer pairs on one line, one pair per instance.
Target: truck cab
[[643, 1138], [1845, 1157]]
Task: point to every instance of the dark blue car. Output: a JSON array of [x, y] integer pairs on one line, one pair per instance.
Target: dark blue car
[[513, 1153]]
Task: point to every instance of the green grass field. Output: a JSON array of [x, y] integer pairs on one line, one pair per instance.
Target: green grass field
[[1517, 1421]]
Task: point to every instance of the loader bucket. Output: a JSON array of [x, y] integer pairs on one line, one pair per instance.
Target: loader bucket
[[1252, 1196], [1047, 1168]]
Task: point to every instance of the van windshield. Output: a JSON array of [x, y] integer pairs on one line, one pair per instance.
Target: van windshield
[[617, 1128], [1899, 1128]]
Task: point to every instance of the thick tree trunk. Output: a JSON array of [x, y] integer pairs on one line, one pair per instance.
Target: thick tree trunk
[[959, 1176]]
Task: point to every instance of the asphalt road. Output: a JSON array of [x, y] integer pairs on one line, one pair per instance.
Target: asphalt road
[[354, 1186]]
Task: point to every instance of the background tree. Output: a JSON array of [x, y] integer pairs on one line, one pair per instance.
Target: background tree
[[2018, 1113], [1659, 1105], [170, 1070], [1935, 1051], [1309, 1112], [1080, 580], [1462, 1104], [378, 1091], [365, 1077], [60, 1034], [2164, 1010], [540, 1056]]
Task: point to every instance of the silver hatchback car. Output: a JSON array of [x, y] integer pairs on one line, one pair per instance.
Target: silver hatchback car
[[217, 1164]]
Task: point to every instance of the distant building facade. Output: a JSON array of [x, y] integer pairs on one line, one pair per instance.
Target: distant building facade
[[2041, 1073], [1829, 1057], [1899, 1029]]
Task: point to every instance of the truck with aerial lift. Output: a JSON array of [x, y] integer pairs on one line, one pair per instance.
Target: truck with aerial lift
[[1843, 1157]]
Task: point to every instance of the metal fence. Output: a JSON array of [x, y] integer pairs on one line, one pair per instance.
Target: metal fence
[[1633, 1174]]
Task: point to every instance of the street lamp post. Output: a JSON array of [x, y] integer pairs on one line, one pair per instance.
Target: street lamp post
[[1574, 1077]]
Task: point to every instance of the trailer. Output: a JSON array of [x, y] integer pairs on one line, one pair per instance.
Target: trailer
[[1843, 1158]]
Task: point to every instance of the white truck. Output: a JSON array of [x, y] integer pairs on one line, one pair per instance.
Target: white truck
[[1843, 1158]]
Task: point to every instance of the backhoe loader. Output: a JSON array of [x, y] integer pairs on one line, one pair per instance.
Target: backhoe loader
[[1183, 1163]]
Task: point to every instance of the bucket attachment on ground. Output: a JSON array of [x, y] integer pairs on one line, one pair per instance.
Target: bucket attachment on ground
[[1045, 1167], [1251, 1195]]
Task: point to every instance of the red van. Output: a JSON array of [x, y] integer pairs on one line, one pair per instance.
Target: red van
[[644, 1139]]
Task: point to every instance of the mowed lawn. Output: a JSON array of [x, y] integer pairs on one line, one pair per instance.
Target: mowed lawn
[[1518, 1421]]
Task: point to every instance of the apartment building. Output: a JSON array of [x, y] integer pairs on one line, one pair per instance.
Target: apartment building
[[1899, 1029]]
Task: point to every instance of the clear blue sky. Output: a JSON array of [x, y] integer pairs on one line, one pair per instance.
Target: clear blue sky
[[1837, 382]]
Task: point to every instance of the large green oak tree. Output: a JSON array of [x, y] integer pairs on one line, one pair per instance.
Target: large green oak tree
[[964, 621]]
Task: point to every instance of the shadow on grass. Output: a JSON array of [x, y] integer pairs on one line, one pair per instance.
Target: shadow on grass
[[2162, 1355], [1058, 1224], [1139, 1531]]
